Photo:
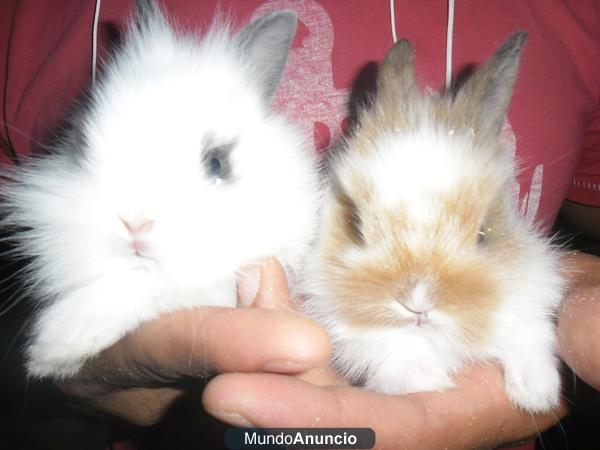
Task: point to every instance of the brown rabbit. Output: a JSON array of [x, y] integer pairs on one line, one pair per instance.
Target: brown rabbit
[[424, 262]]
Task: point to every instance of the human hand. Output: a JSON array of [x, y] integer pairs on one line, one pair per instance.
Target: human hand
[[477, 413], [137, 378]]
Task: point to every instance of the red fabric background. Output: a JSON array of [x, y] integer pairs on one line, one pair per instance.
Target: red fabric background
[[554, 113]]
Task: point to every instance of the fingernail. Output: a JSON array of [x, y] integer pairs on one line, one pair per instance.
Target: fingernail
[[232, 418], [285, 367], [248, 285]]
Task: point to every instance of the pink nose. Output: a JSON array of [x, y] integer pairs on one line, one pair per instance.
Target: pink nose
[[138, 226], [137, 229]]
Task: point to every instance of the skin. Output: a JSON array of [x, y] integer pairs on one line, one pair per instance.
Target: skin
[[273, 372], [579, 322]]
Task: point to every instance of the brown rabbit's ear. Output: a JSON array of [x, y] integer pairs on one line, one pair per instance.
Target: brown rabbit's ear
[[396, 78], [486, 95]]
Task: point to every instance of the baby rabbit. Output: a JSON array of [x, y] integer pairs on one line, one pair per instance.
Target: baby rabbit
[[174, 175], [424, 263]]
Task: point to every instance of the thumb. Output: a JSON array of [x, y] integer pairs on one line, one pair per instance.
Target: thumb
[[264, 285]]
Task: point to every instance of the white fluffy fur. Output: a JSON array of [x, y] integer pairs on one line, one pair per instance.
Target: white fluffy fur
[[434, 163], [162, 97]]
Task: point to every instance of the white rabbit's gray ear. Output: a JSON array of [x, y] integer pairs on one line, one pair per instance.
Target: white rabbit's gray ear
[[265, 42], [147, 14], [486, 95], [396, 76]]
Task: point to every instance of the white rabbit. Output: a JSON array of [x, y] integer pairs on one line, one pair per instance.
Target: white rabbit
[[424, 263], [173, 176]]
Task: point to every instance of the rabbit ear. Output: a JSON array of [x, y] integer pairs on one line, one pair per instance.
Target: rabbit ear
[[147, 12], [486, 95], [396, 78], [266, 42]]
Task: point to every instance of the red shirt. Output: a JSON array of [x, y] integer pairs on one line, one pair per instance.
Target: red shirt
[[554, 114]]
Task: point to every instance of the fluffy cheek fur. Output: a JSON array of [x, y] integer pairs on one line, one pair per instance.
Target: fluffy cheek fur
[[369, 291]]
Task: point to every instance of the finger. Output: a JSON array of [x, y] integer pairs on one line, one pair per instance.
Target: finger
[[579, 318], [288, 402], [226, 339], [248, 284], [424, 420], [265, 285], [322, 376], [196, 341]]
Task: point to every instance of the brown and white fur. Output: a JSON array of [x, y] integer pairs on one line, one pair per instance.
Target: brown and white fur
[[424, 263]]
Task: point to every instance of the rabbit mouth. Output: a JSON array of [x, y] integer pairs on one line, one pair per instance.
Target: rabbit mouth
[[415, 313], [139, 248], [419, 318], [417, 305], [407, 316]]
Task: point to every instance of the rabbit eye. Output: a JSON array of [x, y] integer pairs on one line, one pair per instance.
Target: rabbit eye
[[216, 162], [481, 237], [351, 218], [355, 224], [215, 168]]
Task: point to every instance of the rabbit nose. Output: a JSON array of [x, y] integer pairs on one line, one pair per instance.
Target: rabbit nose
[[418, 300], [140, 226], [419, 312]]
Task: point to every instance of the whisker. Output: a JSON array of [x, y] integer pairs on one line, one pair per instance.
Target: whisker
[[26, 135], [13, 300], [537, 430]]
